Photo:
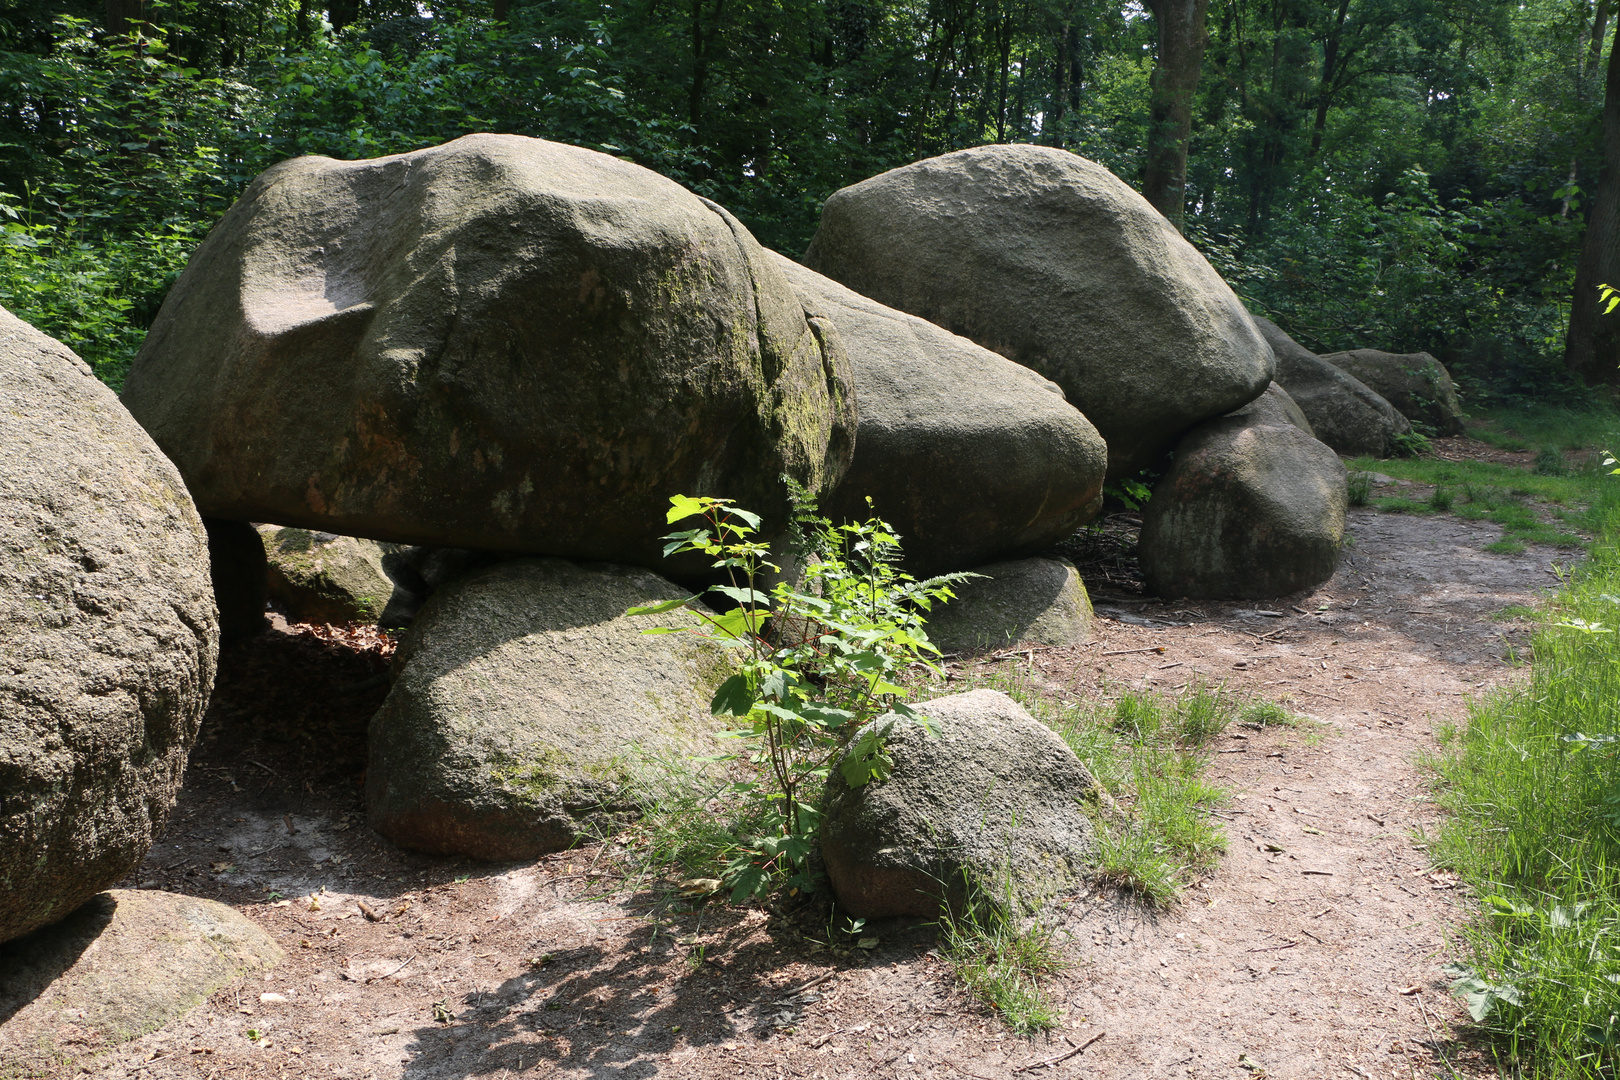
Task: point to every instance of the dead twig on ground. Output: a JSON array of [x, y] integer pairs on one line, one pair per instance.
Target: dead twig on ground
[[1049, 1062], [396, 971]]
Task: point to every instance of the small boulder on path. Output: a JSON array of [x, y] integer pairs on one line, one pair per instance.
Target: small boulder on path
[[1055, 263], [1344, 412], [528, 706], [1248, 510], [968, 455], [1038, 601], [107, 626], [499, 343], [989, 803], [1415, 383], [123, 965]]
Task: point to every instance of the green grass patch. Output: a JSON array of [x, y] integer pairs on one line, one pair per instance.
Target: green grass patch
[[1532, 786], [1510, 497], [1001, 961], [1548, 427]]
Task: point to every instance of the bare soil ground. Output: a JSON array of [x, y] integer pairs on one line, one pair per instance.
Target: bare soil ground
[[1315, 950]]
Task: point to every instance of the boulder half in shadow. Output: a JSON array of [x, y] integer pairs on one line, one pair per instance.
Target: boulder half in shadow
[[1057, 264], [121, 966], [528, 707], [1248, 510], [107, 626], [1415, 383], [987, 810], [1039, 601], [499, 343]]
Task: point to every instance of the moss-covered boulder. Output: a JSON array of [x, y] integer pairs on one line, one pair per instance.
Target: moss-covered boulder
[[1039, 601], [528, 708], [125, 964], [1057, 264], [500, 343], [320, 577], [107, 628], [987, 809]]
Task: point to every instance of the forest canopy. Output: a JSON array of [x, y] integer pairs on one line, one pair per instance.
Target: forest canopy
[[1398, 174]]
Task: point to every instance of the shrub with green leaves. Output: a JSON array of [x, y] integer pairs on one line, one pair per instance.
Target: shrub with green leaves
[[820, 656]]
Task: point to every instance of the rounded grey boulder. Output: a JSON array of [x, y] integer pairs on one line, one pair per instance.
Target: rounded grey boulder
[[319, 577], [1415, 383], [500, 343], [1248, 510], [1039, 601], [1057, 264], [124, 964], [968, 455], [987, 805], [527, 705], [1344, 412], [107, 626]]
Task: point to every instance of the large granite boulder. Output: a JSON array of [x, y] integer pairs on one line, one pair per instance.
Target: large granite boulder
[[1415, 383], [968, 455], [987, 805], [1039, 601], [1058, 265], [499, 343], [1250, 509], [528, 706], [107, 626], [123, 965], [1344, 412]]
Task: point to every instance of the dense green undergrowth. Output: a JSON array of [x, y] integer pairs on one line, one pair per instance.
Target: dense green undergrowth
[[1532, 786]]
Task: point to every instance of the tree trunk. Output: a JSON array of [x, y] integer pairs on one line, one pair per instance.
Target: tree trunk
[[701, 46], [341, 13], [1330, 71], [1600, 23], [1004, 52], [1592, 349], [121, 16], [1175, 79]]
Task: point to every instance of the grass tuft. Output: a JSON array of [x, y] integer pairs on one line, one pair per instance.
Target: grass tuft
[[1001, 960], [1147, 752]]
